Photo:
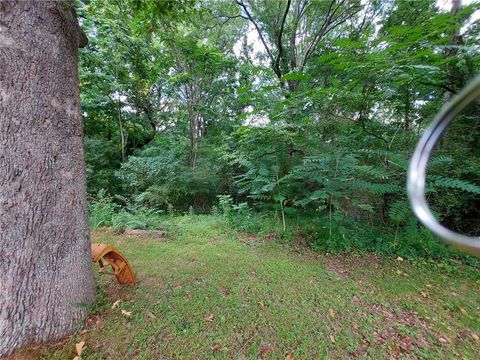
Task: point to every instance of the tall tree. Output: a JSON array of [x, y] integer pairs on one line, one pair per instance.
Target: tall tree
[[201, 76], [291, 31], [45, 266]]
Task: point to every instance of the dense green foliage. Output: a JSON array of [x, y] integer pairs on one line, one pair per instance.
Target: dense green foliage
[[290, 117]]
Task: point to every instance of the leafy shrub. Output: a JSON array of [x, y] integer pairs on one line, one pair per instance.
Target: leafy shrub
[[101, 209], [240, 216], [160, 177], [101, 160], [225, 204], [135, 217], [246, 220]]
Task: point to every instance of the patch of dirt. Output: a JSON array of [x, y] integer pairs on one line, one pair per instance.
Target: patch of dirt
[[115, 291], [35, 351], [250, 239], [27, 353], [301, 242], [393, 330], [336, 265], [346, 266]]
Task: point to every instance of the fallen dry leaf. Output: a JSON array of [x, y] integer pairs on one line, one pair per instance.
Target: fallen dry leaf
[[115, 304], [399, 258], [79, 347], [76, 358], [423, 293], [214, 347], [126, 313], [399, 272], [265, 350], [394, 349], [209, 318], [331, 313], [225, 292], [463, 311], [475, 337], [289, 357], [332, 339], [151, 315], [442, 339]]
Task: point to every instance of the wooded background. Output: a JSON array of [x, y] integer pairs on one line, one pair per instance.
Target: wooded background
[[305, 112]]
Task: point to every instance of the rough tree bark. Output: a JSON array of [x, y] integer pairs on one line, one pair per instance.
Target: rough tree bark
[[45, 268]]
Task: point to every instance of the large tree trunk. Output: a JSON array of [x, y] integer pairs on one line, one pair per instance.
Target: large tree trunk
[[45, 267]]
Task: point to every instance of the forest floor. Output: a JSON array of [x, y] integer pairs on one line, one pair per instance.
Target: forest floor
[[206, 292]]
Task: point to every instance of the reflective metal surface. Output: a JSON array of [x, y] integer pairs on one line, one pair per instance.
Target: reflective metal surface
[[418, 167]]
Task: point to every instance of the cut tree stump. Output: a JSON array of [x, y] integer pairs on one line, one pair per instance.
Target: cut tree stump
[[158, 234]]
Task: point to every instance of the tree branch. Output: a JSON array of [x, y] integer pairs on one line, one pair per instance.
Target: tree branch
[[234, 16], [328, 25], [317, 37], [442, 86], [260, 35], [280, 33]]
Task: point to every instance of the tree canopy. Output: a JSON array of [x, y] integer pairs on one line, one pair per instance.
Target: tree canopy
[[298, 109]]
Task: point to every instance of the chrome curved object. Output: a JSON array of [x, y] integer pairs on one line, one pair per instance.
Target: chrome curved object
[[418, 168]]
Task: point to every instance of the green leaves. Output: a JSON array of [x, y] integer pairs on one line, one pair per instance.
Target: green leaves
[[324, 124], [294, 76], [449, 183]]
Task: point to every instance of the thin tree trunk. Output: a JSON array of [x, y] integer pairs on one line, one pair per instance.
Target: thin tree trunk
[[456, 39], [122, 132], [119, 110], [195, 122], [194, 117], [45, 266]]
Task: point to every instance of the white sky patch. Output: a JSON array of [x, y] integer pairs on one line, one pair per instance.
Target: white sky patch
[[252, 40], [446, 5], [256, 120]]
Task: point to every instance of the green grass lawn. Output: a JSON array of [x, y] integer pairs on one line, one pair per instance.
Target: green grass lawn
[[203, 292]]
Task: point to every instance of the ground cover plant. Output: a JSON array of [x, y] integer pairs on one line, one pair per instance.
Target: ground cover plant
[[206, 291]]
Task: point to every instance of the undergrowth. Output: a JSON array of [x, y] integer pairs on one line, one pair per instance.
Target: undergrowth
[[201, 294], [321, 232]]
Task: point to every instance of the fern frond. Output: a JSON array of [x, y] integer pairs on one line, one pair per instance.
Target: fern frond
[[376, 188], [455, 184], [399, 211]]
